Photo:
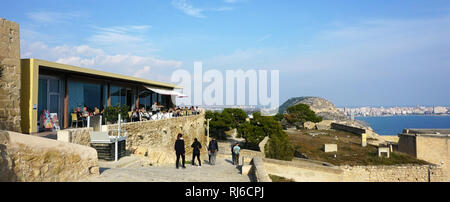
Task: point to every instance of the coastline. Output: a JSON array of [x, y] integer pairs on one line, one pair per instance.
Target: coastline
[[393, 125]]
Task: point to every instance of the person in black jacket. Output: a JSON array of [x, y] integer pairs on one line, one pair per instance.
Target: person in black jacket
[[213, 148], [196, 152], [179, 150]]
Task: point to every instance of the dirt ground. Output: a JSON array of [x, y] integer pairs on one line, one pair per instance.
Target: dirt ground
[[350, 151]]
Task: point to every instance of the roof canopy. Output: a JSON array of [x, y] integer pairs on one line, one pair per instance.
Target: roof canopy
[[165, 91]]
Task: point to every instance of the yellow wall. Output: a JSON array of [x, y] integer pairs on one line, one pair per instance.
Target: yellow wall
[[29, 95]]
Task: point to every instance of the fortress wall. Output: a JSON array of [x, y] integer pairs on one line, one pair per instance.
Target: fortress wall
[[156, 138], [434, 149], [401, 173], [10, 80], [29, 158], [302, 171]]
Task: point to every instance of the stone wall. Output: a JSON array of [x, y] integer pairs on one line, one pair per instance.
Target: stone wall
[[401, 173], [433, 148], [156, 138], [346, 128], [303, 170], [29, 158], [79, 136], [258, 170], [10, 79]]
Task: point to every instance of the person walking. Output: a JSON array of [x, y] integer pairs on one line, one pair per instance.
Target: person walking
[[196, 152], [232, 152], [213, 148], [180, 150], [236, 150]]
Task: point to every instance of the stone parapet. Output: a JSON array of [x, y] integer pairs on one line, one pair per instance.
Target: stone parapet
[[29, 158]]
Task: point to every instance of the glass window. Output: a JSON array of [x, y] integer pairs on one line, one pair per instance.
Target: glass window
[[123, 96], [130, 100], [83, 95], [92, 96], [143, 95], [105, 96], [54, 86], [115, 95], [42, 96]]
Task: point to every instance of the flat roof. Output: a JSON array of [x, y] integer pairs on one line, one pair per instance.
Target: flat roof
[[71, 68]]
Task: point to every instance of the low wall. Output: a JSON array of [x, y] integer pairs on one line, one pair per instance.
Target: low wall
[[29, 158], [346, 128], [247, 155], [401, 173], [156, 138], [302, 170], [259, 171]]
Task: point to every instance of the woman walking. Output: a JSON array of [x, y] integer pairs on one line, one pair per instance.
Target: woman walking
[[213, 148], [196, 152], [179, 150]]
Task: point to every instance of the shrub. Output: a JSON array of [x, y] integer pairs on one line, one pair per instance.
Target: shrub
[[111, 113], [279, 147]]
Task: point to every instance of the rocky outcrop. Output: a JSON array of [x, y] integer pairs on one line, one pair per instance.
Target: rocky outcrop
[[325, 109], [309, 125], [29, 158], [320, 106]]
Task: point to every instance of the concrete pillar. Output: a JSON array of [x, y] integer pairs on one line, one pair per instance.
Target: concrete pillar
[[363, 140]]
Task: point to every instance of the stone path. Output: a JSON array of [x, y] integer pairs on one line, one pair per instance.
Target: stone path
[[129, 169]]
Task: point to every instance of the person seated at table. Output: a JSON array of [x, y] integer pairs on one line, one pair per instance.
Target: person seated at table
[[96, 111], [135, 115], [144, 114], [85, 112], [165, 115]]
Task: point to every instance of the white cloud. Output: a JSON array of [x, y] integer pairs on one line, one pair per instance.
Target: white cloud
[[148, 67], [130, 38], [188, 9], [46, 17]]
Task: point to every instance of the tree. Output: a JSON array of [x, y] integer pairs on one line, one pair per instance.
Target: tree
[[301, 113], [237, 116], [224, 121]]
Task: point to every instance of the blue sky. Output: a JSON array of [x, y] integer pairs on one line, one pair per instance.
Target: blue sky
[[354, 53]]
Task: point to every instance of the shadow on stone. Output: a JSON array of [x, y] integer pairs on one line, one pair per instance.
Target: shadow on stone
[[103, 170]]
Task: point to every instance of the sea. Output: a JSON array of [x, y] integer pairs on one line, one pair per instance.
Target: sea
[[393, 125]]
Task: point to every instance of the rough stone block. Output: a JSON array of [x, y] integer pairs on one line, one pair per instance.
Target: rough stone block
[[246, 169], [330, 148], [64, 135], [309, 125]]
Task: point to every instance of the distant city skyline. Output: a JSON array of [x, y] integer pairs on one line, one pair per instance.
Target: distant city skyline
[[351, 52]]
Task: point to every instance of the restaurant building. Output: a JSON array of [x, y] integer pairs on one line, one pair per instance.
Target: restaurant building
[[60, 88]]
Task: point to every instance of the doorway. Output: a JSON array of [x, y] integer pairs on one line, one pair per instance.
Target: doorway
[[50, 98]]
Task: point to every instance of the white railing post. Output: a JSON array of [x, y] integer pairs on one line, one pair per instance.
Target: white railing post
[[116, 149]]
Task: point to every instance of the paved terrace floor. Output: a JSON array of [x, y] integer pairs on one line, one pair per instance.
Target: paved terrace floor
[[130, 169]]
